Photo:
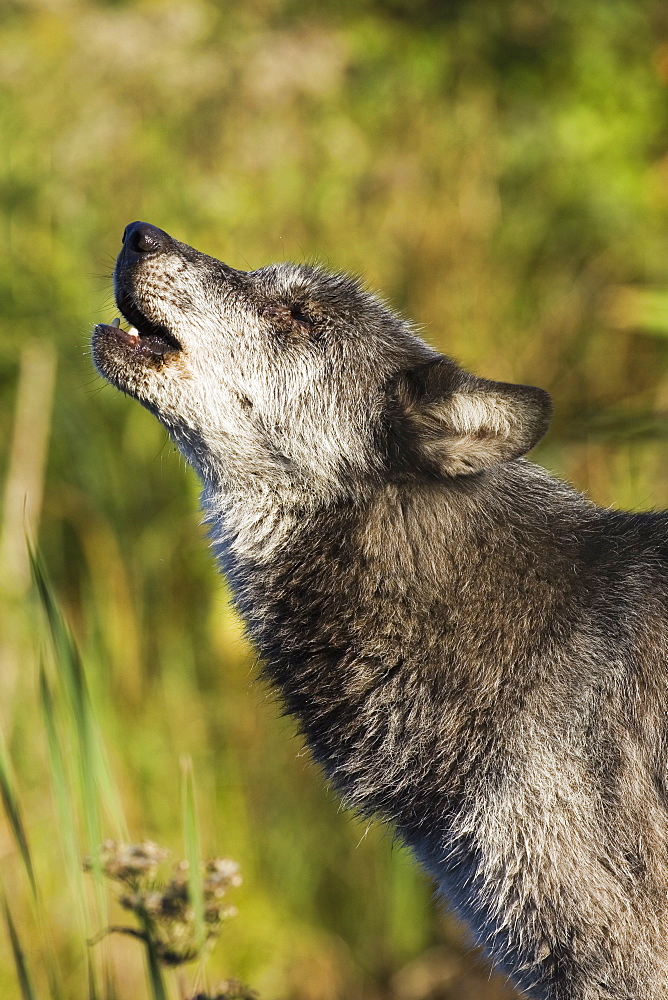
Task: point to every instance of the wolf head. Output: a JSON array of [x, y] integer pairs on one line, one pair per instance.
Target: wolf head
[[295, 379]]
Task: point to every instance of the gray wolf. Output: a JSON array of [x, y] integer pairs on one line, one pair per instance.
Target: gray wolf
[[474, 651]]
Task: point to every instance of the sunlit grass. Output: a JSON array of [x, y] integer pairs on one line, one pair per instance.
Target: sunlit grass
[[86, 800]]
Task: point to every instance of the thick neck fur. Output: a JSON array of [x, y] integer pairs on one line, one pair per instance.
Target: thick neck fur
[[327, 589]]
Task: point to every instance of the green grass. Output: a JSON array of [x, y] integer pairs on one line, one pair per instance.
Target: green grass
[[86, 805]]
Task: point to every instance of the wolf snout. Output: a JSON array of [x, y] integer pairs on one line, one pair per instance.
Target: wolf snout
[[143, 238]]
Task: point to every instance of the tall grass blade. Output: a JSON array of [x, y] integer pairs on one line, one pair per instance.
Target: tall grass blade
[[61, 791], [192, 847], [25, 983], [71, 676], [93, 775], [96, 783], [10, 801]]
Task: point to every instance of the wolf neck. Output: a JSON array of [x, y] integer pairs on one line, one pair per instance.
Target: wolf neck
[[352, 605], [252, 521], [339, 635], [247, 526]]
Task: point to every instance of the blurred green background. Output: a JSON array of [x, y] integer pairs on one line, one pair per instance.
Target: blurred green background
[[497, 170]]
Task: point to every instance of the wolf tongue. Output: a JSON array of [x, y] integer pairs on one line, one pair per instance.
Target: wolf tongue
[[131, 336]]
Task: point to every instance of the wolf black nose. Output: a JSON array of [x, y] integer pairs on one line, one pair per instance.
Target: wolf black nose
[[142, 237]]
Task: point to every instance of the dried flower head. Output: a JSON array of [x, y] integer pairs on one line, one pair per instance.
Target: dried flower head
[[163, 906], [128, 862]]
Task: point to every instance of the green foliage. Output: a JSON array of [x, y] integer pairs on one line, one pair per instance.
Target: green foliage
[[500, 173]]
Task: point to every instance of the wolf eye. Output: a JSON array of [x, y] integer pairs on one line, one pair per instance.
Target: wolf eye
[[288, 319], [298, 314]]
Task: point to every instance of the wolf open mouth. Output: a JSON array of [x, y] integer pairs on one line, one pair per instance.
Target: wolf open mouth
[[144, 336]]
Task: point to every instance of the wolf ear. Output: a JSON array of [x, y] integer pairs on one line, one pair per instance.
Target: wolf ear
[[464, 424]]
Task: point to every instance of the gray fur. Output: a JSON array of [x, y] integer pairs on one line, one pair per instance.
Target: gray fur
[[473, 650]]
